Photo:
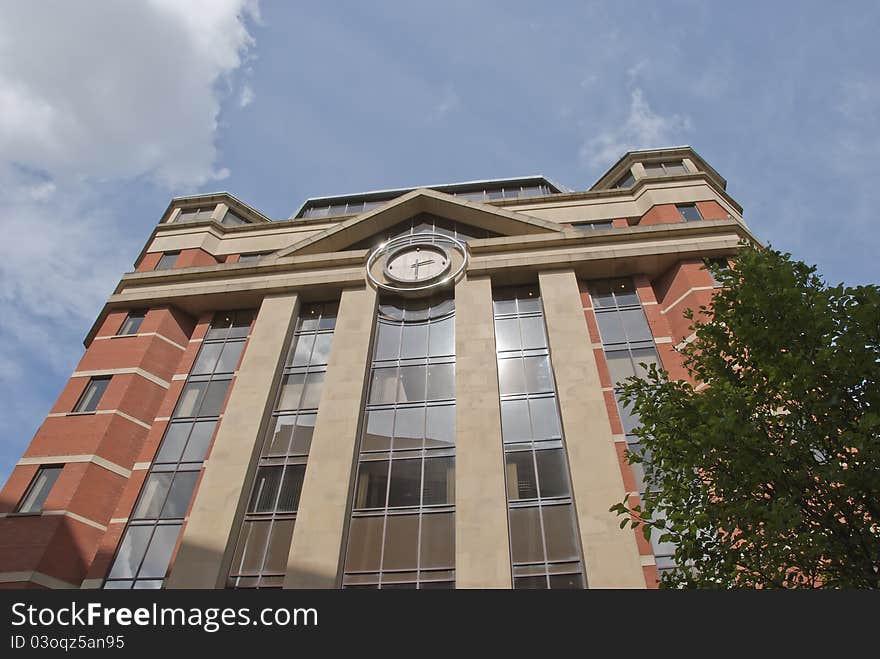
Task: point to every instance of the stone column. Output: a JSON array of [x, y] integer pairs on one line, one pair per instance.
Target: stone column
[[208, 540], [317, 550], [611, 556], [482, 548]]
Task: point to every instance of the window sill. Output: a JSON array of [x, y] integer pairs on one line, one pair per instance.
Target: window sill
[[89, 413]]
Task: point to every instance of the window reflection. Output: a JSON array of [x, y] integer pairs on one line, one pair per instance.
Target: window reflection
[[402, 531], [543, 531]]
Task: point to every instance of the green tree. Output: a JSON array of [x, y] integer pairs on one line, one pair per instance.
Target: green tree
[[769, 476]]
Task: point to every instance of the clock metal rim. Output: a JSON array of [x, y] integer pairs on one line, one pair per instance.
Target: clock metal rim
[[428, 239]]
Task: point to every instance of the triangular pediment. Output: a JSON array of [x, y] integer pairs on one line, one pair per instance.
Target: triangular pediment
[[355, 231]]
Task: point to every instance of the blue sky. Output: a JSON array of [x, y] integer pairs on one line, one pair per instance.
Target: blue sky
[[109, 109]]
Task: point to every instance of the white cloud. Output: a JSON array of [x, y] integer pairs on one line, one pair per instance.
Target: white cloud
[[246, 97], [643, 129], [112, 89], [94, 96]]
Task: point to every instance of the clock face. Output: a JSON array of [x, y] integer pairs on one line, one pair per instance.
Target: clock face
[[417, 263]]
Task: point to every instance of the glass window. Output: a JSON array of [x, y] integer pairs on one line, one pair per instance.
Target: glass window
[[689, 212], [406, 462], [91, 395], [536, 467], [252, 257], [522, 482], [364, 544], [552, 473], [39, 489], [232, 219], [167, 260], [155, 563], [405, 488], [438, 541], [625, 182], [132, 322], [372, 484], [439, 484], [527, 545]]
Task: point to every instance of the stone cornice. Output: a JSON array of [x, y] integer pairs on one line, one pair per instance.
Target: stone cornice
[[342, 269]]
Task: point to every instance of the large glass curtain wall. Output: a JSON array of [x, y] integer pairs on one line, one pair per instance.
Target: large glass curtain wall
[[402, 531], [260, 557], [544, 544], [145, 550], [627, 342]]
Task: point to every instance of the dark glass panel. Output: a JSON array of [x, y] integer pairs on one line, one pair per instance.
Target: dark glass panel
[[559, 530], [279, 546], [364, 544], [401, 542], [249, 555], [530, 583], [291, 488], [158, 555], [265, 490], [180, 494], [372, 484], [525, 535], [439, 485], [406, 477], [521, 480], [566, 581], [552, 473], [438, 541]]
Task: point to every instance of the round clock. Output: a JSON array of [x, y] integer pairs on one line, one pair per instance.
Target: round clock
[[417, 263]]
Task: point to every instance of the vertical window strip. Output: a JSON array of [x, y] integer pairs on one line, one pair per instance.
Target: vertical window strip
[[260, 557], [145, 551], [627, 343], [402, 530], [544, 543]]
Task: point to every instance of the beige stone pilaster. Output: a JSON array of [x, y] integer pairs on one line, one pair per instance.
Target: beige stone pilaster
[[208, 540], [611, 556], [638, 171], [317, 550], [482, 548], [219, 212]]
